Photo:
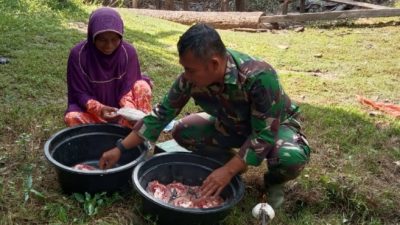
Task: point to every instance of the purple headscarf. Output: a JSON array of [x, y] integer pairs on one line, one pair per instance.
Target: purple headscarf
[[94, 75]]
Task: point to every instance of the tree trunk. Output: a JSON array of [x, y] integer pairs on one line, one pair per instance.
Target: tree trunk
[[158, 4], [222, 20], [135, 3], [169, 4], [302, 6], [285, 7], [224, 5], [240, 5], [185, 5]]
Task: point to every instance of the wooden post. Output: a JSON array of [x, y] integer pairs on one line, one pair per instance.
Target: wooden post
[[285, 7], [158, 4], [224, 5], [302, 6], [169, 4], [240, 5], [135, 4], [185, 5]]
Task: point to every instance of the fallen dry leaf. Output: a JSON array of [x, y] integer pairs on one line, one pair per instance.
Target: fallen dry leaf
[[299, 29], [283, 46], [319, 55]]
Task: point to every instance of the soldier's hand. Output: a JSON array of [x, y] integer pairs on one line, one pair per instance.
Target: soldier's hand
[[219, 178], [216, 182], [109, 158]]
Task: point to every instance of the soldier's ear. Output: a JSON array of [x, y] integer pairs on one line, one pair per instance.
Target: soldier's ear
[[216, 63]]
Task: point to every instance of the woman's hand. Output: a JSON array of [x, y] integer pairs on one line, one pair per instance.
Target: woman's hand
[[109, 113], [109, 158]]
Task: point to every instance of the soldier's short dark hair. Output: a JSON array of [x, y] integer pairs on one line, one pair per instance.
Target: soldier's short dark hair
[[203, 40]]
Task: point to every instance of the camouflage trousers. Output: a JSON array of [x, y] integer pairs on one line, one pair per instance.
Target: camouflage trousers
[[202, 134]]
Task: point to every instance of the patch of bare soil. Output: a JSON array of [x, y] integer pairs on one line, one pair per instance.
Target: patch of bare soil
[[254, 177], [301, 198], [315, 73], [79, 26], [388, 173]]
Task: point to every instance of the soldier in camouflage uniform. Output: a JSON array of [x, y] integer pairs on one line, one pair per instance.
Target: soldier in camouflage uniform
[[245, 108]]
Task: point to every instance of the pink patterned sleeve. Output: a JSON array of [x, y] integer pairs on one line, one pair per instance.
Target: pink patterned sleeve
[[139, 97], [94, 107], [127, 100]]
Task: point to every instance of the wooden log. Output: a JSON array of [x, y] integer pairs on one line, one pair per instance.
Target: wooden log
[[222, 20], [361, 4], [348, 14], [251, 30]]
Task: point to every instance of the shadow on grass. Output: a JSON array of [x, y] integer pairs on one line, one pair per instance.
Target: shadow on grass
[[152, 40], [158, 59], [64, 5], [352, 170]]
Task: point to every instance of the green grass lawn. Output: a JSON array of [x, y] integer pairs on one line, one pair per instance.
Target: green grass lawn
[[353, 176]]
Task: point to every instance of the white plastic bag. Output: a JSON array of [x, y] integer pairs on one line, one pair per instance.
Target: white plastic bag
[[131, 114]]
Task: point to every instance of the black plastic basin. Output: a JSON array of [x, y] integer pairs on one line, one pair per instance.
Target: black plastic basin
[[189, 169], [86, 144]]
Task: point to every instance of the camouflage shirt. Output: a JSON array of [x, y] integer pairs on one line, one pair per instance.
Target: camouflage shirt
[[251, 102]]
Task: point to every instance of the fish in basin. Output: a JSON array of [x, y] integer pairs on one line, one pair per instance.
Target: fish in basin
[[181, 195], [84, 167]]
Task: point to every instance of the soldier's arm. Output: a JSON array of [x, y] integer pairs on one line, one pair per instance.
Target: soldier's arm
[[150, 126]]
